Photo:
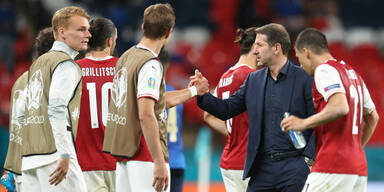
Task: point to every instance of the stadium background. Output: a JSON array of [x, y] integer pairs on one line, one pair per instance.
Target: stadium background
[[203, 39]]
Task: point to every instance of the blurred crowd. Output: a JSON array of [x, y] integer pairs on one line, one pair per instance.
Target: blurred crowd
[[204, 34]]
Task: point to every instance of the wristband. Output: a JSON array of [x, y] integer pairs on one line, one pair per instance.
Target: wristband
[[64, 156], [193, 90]]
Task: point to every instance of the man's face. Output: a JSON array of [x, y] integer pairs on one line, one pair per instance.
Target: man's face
[[114, 39], [76, 34], [262, 50], [305, 62]]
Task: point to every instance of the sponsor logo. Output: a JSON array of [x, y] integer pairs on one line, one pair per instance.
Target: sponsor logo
[[334, 86], [120, 120], [119, 88], [35, 91], [151, 83]]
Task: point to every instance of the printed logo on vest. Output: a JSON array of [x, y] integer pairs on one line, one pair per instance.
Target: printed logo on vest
[[119, 88], [163, 116], [75, 113], [16, 126], [35, 91]]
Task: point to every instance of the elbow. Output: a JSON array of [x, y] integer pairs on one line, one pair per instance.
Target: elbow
[[206, 116], [344, 110], [375, 117], [170, 103], [143, 116]]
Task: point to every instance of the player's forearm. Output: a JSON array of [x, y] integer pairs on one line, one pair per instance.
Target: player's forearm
[[336, 107], [215, 123], [150, 130], [369, 126], [173, 98]]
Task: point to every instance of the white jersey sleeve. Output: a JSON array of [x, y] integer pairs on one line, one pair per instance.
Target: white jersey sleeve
[[369, 106], [149, 80], [64, 81], [328, 81]]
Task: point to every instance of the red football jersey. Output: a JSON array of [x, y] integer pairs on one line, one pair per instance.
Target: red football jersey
[[97, 77], [338, 143], [234, 152]]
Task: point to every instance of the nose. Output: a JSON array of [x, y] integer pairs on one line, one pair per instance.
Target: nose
[[89, 35], [255, 51]]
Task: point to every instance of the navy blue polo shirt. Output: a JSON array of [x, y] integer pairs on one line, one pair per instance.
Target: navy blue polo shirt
[[275, 140]]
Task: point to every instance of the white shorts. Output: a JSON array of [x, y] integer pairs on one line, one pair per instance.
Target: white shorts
[[233, 180], [133, 176], [335, 182], [37, 179], [17, 182], [100, 181]]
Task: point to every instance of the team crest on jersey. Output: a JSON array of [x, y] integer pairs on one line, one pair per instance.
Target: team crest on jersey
[[35, 91], [119, 88]]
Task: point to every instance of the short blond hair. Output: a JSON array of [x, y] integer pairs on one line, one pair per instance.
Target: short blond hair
[[62, 16], [158, 20]]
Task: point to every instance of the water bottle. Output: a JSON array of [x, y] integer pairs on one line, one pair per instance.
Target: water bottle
[[7, 180], [297, 137]]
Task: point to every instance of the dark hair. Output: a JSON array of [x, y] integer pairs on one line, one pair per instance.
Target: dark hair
[[245, 39], [158, 20], [313, 40], [101, 29], [43, 42], [276, 33]]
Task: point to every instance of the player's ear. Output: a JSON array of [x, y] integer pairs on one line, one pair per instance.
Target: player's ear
[[109, 42], [168, 33], [307, 53], [61, 33]]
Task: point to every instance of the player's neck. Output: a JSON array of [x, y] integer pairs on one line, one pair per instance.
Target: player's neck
[[99, 54], [247, 59], [323, 58], [154, 45]]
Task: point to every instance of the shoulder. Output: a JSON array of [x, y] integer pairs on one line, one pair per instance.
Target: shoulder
[[325, 69], [260, 73], [152, 64], [82, 61]]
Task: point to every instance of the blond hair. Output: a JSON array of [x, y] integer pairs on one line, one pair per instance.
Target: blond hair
[[62, 16], [158, 20]]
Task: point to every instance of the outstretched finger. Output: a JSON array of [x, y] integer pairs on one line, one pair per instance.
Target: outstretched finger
[[166, 184]]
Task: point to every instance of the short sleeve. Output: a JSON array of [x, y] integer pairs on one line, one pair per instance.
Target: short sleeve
[[149, 80], [328, 81], [369, 106]]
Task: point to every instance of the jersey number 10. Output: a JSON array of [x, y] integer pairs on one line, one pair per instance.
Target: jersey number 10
[[105, 90]]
